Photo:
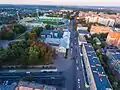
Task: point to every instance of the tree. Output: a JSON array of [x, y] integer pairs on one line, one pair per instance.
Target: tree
[[48, 27], [89, 26], [18, 28], [38, 30]]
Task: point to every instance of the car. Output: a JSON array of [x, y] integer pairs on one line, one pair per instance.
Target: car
[[78, 80], [78, 86], [77, 68], [28, 72], [12, 71], [52, 77], [5, 83]]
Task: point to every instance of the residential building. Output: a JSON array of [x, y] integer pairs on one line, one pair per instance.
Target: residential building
[[100, 20], [113, 37], [83, 30], [91, 19], [99, 29], [96, 75], [114, 61], [57, 38]]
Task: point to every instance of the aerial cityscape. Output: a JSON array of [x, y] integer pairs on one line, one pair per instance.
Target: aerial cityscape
[[59, 47]]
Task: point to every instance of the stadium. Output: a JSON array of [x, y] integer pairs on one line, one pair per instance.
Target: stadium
[[42, 21]]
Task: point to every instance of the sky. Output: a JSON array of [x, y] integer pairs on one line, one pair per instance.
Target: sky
[[65, 2]]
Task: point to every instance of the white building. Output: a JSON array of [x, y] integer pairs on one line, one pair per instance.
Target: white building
[[61, 44], [91, 19], [100, 20]]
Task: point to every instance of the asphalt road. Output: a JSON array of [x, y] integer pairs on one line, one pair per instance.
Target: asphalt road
[[54, 78], [76, 56]]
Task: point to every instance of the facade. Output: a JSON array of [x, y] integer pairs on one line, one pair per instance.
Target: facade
[[99, 29], [114, 61], [100, 20], [91, 19], [96, 76]]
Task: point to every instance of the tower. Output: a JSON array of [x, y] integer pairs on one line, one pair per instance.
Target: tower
[[37, 11], [18, 16]]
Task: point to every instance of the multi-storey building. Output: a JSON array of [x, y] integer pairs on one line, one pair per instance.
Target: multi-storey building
[[100, 20], [96, 76], [114, 61], [99, 29], [113, 38]]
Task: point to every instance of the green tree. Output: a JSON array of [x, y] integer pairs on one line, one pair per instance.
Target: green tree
[[48, 27], [38, 30], [18, 28]]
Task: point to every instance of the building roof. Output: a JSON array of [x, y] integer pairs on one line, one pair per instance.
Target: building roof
[[83, 31], [99, 75], [113, 38], [62, 42], [54, 33], [22, 85], [99, 29], [114, 58]]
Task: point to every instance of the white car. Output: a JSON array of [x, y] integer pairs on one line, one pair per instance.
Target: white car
[[12, 70], [78, 80], [28, 72], [77, 68]]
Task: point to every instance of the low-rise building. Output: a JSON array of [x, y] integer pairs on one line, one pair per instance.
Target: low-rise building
[[58, 39], [96, 75]]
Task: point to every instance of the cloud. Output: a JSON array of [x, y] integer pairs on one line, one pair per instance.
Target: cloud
[[63, 2]]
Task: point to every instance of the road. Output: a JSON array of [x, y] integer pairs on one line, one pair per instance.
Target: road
[[49, 78], [76, 56]]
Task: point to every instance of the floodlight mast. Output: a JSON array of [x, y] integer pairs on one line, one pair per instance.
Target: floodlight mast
[[18, 16], [37, 11]]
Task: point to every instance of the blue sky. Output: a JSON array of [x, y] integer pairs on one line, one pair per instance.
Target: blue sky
[[64, 2]]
